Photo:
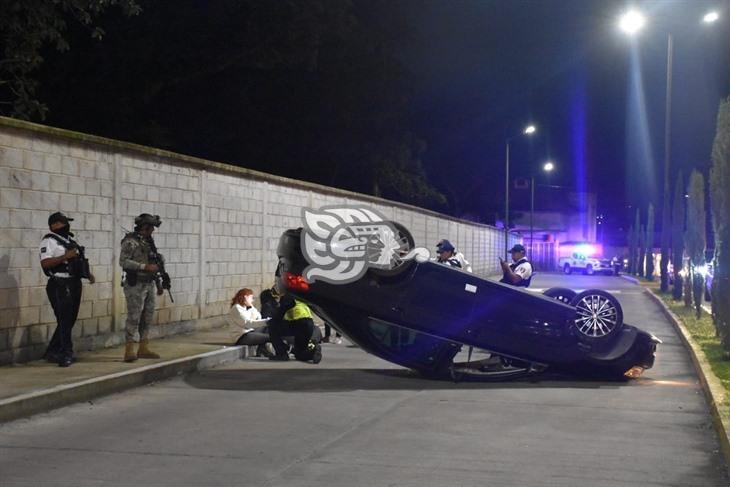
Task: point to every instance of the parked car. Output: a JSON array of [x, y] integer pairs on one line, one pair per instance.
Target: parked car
[[420, 314], [587, 265]]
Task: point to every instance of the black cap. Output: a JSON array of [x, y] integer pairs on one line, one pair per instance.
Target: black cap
[[445, 246], [517, 248], [58, 217]]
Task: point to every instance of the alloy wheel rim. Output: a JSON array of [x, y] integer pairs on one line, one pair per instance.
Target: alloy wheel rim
[[597, 316]]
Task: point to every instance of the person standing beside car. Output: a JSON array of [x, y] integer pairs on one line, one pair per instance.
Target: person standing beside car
[[63, 261], [137, 259], [448, 255], [519, 272]]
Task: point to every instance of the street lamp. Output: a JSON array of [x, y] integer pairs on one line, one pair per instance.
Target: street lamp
[[631, 23], [529, 130], [547, 167], [710, 17]]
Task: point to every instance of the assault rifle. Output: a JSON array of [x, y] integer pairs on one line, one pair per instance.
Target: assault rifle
[[162, 278]]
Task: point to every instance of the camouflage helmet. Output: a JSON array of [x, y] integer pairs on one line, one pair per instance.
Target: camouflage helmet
[[147, 219]]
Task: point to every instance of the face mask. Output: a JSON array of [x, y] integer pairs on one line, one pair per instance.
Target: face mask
[[64, 231]]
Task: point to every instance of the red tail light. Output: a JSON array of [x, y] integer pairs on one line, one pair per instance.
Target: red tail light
[[295, 282]]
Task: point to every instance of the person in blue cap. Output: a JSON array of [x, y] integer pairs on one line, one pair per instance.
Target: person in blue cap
[[519, 272], [448, 255]]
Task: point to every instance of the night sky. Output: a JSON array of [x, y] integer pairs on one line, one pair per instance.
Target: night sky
[[566, 67], [275, 86]]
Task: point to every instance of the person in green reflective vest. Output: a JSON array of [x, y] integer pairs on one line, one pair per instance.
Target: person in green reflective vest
[[291, 317]]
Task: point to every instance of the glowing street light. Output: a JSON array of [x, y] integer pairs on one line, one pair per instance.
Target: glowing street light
[[710, 17], [547, 167], [632, 22], [529, 130]]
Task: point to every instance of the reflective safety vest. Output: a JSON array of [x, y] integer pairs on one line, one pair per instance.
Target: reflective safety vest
[[297, 312]]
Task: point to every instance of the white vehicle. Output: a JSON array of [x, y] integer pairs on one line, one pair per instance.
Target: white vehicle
[[583, 263]]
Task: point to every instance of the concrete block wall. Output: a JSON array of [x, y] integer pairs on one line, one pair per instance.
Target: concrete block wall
[[221, 225]]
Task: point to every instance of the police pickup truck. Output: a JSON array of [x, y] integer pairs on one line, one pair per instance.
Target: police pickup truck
[[582, 263]]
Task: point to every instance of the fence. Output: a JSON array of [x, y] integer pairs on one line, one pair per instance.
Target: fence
[[220, 229]]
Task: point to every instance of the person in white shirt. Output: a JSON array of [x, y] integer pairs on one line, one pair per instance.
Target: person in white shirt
[[63, 261], [448, 255], [519, 272], [247, 325]]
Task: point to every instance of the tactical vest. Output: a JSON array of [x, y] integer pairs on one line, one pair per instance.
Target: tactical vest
[[79, 267], [523, 282], [142, 253], [297, 312]]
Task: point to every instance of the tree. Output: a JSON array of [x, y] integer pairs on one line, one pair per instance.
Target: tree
[[26, 27], [720, 200], [650, 243], [314, 90], [632, 249], [678, 216], [635, 244], [641, 251], [695, 238]]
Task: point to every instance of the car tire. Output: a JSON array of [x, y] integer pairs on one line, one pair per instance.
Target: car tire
[[407, 244], [598, 315], [567, 270], [589, 270], [562, 294]]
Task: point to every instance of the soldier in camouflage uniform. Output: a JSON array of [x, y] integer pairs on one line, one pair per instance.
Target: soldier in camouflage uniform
[[137, 260]]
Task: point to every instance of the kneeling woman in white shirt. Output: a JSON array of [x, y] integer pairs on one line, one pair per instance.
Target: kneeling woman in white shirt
[[247, 325]]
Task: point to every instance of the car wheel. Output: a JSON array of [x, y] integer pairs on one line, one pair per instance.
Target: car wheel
[[562, 294], [589, 270], [598, 314], [567, 269], [405, 243]]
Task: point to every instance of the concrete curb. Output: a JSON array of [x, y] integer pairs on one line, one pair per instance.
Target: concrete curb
[[711, 386], [629, 278], [64, 395]]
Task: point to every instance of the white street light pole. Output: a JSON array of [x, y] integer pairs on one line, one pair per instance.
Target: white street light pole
[[631, 23], [529, 130], [547, 167]]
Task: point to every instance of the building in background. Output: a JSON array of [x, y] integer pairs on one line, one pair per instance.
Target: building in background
[[559, 216]]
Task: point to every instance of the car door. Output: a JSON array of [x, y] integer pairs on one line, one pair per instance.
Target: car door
[[439, 300]]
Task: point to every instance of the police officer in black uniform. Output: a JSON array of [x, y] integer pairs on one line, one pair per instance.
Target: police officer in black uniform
[[64, 262]]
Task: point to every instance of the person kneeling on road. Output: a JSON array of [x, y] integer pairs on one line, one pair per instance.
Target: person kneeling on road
[[290, 317]]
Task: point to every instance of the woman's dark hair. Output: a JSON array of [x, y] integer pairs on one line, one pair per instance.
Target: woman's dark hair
[[266, 296]]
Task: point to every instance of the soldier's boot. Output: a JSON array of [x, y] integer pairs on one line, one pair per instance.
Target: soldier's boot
[[129, 354], [144, 351]]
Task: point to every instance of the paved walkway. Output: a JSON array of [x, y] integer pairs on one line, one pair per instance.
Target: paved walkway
[[38, 386]]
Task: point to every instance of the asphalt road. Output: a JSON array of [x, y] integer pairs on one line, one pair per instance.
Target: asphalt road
[[358, 421]]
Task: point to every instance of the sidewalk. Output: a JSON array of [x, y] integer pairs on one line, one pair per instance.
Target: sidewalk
[[38, 386]]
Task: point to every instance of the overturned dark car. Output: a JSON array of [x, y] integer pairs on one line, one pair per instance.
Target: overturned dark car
[[420, 314]]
